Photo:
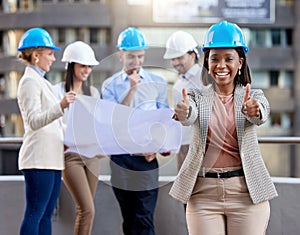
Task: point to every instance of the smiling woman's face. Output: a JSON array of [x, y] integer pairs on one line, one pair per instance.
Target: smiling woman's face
[[82, 72], [44, 58], [223, 64]]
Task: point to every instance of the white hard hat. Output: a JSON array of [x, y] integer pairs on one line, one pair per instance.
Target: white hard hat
[[79, 52], [180, 43]]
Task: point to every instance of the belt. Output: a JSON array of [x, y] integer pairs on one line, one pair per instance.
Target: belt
[[227, 174]]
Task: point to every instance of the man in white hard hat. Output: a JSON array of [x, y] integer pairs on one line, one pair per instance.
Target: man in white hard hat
[[181, 49]]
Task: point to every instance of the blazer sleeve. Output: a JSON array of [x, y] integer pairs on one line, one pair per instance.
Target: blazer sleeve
[[35, 105]]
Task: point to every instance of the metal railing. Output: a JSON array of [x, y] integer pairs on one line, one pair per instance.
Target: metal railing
[[11, 140], [262, 140]]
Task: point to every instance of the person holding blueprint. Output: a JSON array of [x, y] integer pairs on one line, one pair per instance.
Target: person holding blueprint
[[134, 177], [81, 173]]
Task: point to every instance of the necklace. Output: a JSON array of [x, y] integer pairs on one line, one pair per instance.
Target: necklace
[[225, 98], [78, 89]]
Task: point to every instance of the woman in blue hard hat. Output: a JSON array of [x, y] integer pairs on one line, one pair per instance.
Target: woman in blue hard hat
[[41, 157], [81, 173], [223, 179]]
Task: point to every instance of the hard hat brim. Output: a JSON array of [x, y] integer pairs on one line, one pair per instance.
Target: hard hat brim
[[94, 63], [53, 48], [173, 55], [204, 48], [137, 48]]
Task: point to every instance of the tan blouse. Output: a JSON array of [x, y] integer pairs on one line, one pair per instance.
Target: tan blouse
[[222, 149]]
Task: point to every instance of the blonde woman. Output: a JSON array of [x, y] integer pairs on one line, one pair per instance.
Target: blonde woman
[[41, 157]]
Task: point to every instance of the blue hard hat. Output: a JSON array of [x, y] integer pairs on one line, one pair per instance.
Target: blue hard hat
[[224, 34], [132, 39], [36, 37]]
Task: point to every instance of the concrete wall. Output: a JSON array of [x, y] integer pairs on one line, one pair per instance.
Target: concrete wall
[[169, 215]]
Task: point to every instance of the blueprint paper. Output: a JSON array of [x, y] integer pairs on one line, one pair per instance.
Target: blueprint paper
[[97, 126]]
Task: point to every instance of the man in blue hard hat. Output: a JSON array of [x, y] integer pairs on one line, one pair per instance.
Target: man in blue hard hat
[[135, 177]]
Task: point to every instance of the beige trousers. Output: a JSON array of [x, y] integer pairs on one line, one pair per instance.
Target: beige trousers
[[223, 207], [81, 178]]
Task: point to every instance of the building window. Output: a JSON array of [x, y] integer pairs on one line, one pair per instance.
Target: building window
[[275, 120], [271, 37], [61, 36], [10, 6], [266, 79], [276, 37], [80, 34], [285, 2], [260, 38], [260, 79], [11, 39], [282, 120], [18, 5], [274, 78], [93, 35], [288, 79], [289, 37], [99, 36]]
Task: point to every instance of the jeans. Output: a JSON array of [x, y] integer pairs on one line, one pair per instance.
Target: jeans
[[42, 190]]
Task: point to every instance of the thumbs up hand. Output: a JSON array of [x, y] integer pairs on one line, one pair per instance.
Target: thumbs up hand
[[182, 108], [250, 106]]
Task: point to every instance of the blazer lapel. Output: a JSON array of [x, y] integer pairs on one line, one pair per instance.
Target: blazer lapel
[[50, 87], [47, 86], [239, 116], [206, 100]]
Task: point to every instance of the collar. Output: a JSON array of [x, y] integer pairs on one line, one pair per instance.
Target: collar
[[191, 72], [38, 70]]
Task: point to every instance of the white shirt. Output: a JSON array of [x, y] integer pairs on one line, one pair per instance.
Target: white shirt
[[59, 90]]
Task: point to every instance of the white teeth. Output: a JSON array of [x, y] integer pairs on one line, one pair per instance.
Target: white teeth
[[221, 74]]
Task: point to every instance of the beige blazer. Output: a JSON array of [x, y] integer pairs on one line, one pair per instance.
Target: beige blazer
[[259, 182], [42, 146]]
